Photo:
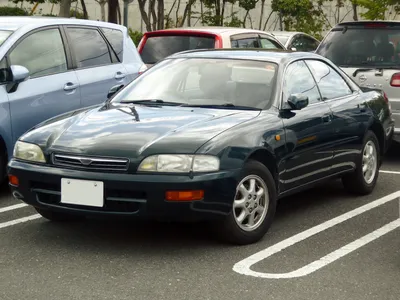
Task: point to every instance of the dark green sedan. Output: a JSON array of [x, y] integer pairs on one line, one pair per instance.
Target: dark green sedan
[[215, 135]]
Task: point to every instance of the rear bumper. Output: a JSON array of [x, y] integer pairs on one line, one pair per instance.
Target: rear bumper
[[128, 195]]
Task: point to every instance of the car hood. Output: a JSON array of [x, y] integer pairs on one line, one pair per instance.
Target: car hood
[[134, 131]]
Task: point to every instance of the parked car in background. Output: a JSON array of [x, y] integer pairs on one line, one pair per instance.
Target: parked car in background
[[49, 66], [369, 52], [156, 45], [297, 41], [225, 134]]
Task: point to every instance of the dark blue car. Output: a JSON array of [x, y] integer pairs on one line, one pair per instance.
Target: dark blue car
[[216, 135]]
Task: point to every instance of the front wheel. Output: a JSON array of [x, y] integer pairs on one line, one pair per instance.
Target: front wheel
[[57, 216], [365, 176], [253, 208]]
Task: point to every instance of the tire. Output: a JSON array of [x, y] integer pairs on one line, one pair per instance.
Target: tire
[[57, 216], [355, 182], [229, 229]]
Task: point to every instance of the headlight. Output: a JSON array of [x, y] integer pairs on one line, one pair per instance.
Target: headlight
[[179, 163], [27, 151]]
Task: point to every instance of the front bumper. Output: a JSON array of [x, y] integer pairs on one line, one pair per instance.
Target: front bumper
[[130, 195]]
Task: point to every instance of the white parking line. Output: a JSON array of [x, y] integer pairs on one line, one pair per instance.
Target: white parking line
[[390, 172], [21, 220], [12, 207], [243, 267]]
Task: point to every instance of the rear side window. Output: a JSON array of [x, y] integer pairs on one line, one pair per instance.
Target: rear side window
[[250, 42], [159, 47], [90, 48], [267, 43], [362, 46], [116, 39]]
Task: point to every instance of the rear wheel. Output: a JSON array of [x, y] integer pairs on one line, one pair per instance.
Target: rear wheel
[[363, 180], [57, 216], [253, 207]]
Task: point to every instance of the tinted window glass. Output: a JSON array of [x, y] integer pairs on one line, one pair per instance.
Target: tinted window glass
[[267, 43], [89, 47], [159, 47], [298, 79], [116, 39], [251, 42], [42, 53], [362, 46], [5, 75], [310, 44], [198, 81], [330, 83]]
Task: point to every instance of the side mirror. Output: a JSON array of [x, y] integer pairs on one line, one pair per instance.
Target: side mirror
[[297, 101], [19, 73], [293, 49], [114, 90]]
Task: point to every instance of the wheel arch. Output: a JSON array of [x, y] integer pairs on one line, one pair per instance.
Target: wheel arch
[[377, 129], [268, 159]]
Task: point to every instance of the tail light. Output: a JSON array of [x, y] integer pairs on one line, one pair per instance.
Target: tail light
[[395, 80], [142, 69]]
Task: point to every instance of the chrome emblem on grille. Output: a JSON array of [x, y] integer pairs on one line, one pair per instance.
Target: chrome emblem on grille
[[85, 161]]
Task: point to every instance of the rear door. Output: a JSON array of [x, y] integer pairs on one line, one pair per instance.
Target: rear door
[[350, 118], [96, 63], [157, 46], [369, 52]]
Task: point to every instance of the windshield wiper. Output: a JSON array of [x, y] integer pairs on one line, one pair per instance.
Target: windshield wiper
[[227, 105], [150, 101]]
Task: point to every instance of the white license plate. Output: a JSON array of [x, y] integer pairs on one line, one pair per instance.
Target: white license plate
[[82, 192]]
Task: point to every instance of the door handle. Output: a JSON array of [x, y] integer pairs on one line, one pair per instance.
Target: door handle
[[326, 118], [119, 75], [70, 86]]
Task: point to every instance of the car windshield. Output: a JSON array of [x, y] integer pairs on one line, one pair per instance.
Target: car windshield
[[204, 81], [4, 34], [157, 48], [366, 46]]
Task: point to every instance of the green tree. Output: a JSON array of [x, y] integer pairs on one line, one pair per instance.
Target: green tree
[[377, 9], [301, 15]]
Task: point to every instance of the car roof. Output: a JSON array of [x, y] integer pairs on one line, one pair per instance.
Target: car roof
[[394, 22], [286, 33], [14, 23], [276, 56], [208, 29]]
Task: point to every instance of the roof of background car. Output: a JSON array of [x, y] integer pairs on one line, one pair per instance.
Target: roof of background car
[[366, 22], [209, 29], [14, 23], [285, 33], [276, 56]]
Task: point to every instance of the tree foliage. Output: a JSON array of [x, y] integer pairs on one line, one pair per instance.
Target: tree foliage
[[377, 9]]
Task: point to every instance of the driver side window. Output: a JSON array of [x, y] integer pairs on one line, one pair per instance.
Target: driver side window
[[298, 79]]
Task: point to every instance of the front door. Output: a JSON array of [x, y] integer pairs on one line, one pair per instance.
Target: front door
[[308, 131], [51, 89]]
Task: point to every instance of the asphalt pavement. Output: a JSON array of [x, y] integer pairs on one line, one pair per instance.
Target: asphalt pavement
[[324, 244]]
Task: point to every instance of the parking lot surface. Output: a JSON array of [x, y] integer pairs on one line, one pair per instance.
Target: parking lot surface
[[128, 260]]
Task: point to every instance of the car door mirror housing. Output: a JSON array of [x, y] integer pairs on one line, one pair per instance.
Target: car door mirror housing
[[297, 101], [114, 90], [19, 73]]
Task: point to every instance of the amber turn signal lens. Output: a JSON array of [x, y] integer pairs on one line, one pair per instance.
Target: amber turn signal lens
[[184, 195], [13, 180]]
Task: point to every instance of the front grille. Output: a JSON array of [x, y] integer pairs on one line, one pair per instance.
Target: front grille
[[91, 163]]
